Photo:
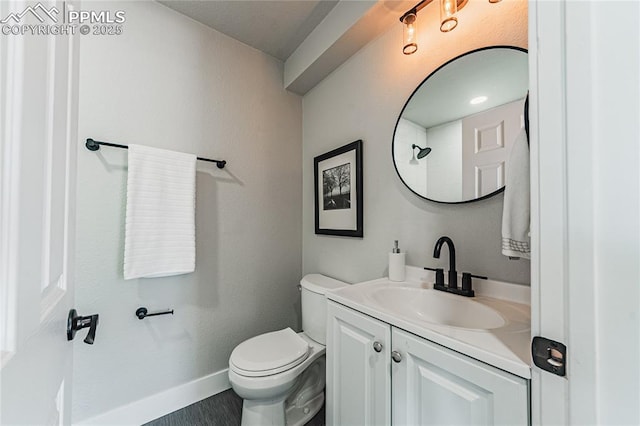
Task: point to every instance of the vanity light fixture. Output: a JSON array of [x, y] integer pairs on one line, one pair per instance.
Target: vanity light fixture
[[448, 21], [478, 100], [423, 152]]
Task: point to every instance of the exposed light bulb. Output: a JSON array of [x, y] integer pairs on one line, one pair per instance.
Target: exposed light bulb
[[448, 8], [410, 33]]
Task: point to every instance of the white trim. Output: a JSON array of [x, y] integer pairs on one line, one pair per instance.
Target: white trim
[[549, 209], [163, 403], [48, 178], [12, 76], [535, 388]]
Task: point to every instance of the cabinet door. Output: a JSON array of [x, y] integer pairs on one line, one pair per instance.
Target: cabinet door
[[433, 385], [358, 377]]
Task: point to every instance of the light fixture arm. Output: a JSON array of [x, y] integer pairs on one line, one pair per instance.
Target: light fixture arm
[[418, 7], [424, 3]]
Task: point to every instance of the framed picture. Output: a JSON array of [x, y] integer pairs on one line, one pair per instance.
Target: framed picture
[[338, 191]]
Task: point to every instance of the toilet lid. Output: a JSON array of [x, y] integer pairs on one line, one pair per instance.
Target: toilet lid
[[269, 353]]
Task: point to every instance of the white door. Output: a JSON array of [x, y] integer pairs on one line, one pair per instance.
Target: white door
[[487, 138], [38, 112], [358, 373], [585, 187], [433, 385]]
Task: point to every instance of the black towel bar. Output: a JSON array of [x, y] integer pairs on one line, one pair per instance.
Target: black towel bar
[[94, 145]]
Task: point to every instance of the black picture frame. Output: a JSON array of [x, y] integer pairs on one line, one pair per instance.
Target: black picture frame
[[335, 213]]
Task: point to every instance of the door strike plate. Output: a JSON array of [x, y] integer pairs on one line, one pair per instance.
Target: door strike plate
[[549, 355]]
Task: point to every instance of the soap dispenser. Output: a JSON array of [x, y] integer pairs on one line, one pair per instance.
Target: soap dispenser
[[396, 263]]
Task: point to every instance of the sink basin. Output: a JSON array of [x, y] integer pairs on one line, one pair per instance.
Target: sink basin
[[491, 329], [436, 307]]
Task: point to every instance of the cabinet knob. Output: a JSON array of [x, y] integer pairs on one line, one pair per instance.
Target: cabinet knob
[[395, 356], [377, 346]]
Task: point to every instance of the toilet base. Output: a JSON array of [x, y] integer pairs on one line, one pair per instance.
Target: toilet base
[[261, 413], [294, 409], [298, 416], [256, 413]]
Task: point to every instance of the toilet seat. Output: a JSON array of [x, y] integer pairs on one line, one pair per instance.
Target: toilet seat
[[269, 353]]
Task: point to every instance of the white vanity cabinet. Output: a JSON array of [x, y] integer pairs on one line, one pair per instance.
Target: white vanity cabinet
[[433, 385], [411, 381], [358, 375]]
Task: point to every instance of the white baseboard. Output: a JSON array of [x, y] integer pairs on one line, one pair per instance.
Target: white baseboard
[[163, 403]]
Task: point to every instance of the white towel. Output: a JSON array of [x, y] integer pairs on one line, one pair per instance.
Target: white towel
[[516, 219], [160, 222]]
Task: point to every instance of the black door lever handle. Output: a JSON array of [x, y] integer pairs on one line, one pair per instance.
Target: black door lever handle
[[76, 322]]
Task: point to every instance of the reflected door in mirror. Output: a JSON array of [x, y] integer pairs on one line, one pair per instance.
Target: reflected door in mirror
[[486, 142]]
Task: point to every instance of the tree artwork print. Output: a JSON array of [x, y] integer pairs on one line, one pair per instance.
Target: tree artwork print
[[336, 187]]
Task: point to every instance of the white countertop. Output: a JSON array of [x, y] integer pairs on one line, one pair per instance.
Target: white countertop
[[506, 347]]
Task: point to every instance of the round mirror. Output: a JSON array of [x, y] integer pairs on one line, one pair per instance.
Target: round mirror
[[453, 137]]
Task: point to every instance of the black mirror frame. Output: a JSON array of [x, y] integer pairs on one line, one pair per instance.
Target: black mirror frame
[[393, 138]]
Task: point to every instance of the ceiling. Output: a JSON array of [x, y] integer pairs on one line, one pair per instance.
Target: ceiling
[[274, 27], [499, 74], [311, 37]]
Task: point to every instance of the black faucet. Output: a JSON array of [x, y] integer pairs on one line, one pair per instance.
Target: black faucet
[[453, 274], [452, 287]]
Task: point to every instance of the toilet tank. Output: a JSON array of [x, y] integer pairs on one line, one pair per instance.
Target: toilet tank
[[314, 305]]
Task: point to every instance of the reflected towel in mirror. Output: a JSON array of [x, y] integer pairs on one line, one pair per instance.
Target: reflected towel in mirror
[[516, 219]]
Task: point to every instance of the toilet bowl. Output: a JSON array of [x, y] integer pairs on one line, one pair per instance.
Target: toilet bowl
[[280, 375]]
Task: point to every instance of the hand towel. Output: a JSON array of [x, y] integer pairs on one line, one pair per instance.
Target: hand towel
[[516, 219], [160, 220]]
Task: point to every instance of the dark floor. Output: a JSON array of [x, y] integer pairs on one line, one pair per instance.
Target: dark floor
[[223, 409]]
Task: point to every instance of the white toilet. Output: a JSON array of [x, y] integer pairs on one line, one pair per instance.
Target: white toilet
[[281, 374]]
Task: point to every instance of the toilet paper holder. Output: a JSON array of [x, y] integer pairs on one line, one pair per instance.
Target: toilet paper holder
[[143, 312]]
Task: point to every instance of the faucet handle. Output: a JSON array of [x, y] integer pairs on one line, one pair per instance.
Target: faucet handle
[[466, 281], [439, 275], [469, 275]]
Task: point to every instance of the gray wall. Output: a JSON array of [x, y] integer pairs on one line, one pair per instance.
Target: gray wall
[[172, 83], [362, 100]]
